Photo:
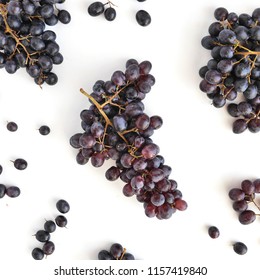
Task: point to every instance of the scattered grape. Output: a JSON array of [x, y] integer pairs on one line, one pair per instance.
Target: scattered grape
[[12, 126], [37, 254], [49, 226], [61, 221], [240, 248], [213, 232], [143, 18], [44, 130], [20, 164], [13, 191], [63, 206]]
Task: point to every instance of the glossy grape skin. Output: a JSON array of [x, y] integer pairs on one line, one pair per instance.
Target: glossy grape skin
[[143, 18], [62, 206], [48, 248], [240, 248], [213, 232], [44, 130], [2, 190], [64, 16], [247, 217], [12, 126], [42, 235], [37, 254], [105, 255], [96, 9], [49, 226], [20, 164], [13, 191], [110, 14], [61, 221], [116, 250]]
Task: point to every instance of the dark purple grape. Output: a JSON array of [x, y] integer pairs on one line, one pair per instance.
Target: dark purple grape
[[257, 185], [150, 151], [13, 191], [236, 194], [240, 248], [44, 130], [42, 235], [61, 221], [213, 232], [62, 206], [143, 18], [221, 13], [128, 257], [240, 205], [116, 250], [248, 187], [239, 126], [12, 126], [105, 255], [247, 217], [49, 226], [110, 14], [48, 248], [20, 164], [157, 199], [64, 16], [37, 254], [2, 190], [96, 9], [112, 173]]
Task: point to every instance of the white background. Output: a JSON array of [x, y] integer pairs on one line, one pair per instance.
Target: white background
[[196, 140]]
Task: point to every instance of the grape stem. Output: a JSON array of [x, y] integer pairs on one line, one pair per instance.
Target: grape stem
[[123, 253], [100, 109], [8, 29]]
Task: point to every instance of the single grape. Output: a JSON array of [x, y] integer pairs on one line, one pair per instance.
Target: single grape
[[42, 235], [2, 190], [116, 250], [13, 191], [105, 255], [213, 232], [48, 248], [20, 164], [49, 226], [44, 130], [62, 206], [64, 16], [110, 14], [143, 18], [96, 9], [247, 217], [240, 248], [61, 221], [236, 194], [12, 126], [37, 254]]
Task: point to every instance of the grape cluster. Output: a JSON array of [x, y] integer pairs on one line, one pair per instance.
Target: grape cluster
[[116, 127], [233, 73], [116, 252], [24, 42], [44, 235], [243, 197]]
